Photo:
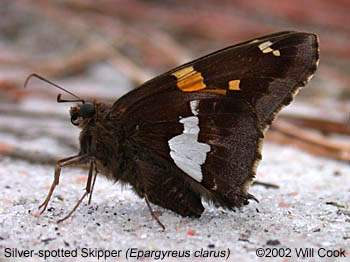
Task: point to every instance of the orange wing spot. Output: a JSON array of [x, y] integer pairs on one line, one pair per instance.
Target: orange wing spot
[[122, 111], [189, 80], [234, 85], [216, 91]]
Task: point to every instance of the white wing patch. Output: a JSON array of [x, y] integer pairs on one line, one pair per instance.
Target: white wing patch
[[194, 107], [187, 153], [265, 48]]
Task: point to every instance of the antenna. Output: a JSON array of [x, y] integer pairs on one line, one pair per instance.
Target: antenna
[[59, 100]]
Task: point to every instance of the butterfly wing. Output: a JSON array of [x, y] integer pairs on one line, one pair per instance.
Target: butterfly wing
[[197, 130]]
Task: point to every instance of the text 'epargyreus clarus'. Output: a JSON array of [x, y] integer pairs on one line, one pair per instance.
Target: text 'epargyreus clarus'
[[196, 131]]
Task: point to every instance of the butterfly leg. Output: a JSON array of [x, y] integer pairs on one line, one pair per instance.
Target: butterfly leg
[[247, 197], [88, 190], [152, 213], [61, 163], [93, 185]]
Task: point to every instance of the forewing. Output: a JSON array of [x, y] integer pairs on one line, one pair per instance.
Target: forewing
[[234, 94]]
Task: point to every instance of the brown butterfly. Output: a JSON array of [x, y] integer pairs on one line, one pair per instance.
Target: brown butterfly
[[195, 132]]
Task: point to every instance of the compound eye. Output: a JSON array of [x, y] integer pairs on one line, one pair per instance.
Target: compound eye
[[87, 110], [74, 118]]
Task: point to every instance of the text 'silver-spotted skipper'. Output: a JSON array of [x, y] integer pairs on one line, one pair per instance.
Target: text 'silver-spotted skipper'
[[196, 131]]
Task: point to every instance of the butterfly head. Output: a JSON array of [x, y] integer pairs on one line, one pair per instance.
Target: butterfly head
[[79, 114], [82, 113]]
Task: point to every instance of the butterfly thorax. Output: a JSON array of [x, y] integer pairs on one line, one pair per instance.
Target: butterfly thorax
[[101, 138]]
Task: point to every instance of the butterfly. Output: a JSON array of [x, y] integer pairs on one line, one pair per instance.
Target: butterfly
[[195, 132]]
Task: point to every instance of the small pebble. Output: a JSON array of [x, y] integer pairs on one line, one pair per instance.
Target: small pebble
[[191, 232], [274, 242]]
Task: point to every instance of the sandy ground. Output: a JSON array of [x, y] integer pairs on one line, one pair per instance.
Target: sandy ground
[[300, 214]]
